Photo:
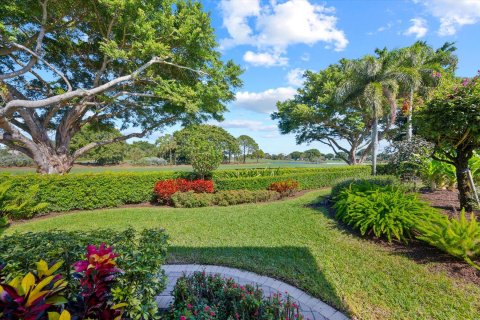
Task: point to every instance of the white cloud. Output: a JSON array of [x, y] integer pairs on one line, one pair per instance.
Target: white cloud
[[453, 14], [295, 77], [418, 28], [273, 27], [251, 125], [265, 59], [265, 101]]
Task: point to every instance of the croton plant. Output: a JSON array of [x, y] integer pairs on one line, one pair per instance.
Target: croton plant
[[40, 295]]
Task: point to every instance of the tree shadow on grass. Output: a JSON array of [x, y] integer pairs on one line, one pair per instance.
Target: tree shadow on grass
[[293, 265]]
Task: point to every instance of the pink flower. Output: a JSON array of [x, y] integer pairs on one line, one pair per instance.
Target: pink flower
[[212, 313], [207, 308], [189, 306], [183, 318]]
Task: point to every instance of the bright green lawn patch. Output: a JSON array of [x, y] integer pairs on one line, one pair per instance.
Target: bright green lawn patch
[[297, 243]]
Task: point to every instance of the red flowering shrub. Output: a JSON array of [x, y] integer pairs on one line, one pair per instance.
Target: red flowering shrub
[[285, 187], [164, 189]]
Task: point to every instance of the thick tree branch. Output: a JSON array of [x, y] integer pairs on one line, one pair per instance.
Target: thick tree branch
[[96, 144], [82, 92], [38, 48]]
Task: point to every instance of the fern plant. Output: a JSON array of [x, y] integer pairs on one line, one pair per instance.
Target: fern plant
[[458, 237], [19, 206], [386, 211]]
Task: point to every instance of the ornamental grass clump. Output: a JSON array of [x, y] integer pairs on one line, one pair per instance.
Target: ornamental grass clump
[[202, 296], [384, 211]]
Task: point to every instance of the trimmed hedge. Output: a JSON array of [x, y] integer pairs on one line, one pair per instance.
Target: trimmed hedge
[[308, 179], [102, 190]]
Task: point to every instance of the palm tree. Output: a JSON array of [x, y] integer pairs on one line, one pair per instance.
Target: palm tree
[[419, 67], [373, 81]]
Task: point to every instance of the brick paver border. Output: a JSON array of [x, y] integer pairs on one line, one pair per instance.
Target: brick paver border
[[311, 308]]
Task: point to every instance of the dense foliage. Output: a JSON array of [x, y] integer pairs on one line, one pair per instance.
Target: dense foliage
[[202, 296], [105, 155], [191, 199], [384, 211], [24, 205], [41, 294], [140, 257], [458, 237], [451, 121], [74, 191], [133, 63]]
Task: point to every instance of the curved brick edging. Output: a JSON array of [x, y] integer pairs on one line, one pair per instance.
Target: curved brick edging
[[311, 308]]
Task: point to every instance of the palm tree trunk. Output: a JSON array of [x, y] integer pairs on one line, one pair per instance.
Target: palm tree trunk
[[374, 144], [409, 118]]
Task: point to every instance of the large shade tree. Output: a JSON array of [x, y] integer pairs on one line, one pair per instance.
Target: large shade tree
[[316, 114], [451, 121], [138, 64]]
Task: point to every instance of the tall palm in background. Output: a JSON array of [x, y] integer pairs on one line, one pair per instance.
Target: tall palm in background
[[420, 66], [374, 82]]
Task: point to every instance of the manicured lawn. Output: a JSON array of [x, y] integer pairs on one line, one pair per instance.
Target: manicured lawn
[[250, 164], [301, 245]]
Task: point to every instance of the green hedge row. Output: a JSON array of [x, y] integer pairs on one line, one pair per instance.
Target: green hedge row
[[101, 190], [308, 179]]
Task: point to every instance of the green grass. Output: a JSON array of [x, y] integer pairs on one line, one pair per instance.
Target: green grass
[[299, 244], [128, 168]]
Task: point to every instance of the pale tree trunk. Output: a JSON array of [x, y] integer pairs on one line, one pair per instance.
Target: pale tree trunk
[[49, 162], [409, 118], [374, 145]]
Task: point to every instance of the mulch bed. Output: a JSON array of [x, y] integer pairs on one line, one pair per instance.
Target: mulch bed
[[445, 200]]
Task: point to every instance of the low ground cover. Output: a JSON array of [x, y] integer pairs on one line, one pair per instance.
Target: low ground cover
[[297, 241]]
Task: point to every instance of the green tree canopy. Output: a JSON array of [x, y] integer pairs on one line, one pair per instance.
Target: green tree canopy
[[144, 64], [247, 146], [451, 121], [296, 155], [109, 154], [312, 155], [167, 146], [315, 114], [214, 135]]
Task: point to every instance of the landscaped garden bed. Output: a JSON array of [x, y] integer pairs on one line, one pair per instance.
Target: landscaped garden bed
[[298, 242]]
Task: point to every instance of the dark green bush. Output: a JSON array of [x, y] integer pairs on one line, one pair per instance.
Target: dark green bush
[[100, 190], [222, 198], [384, 211], [379, 181], [458, 237], [140, 257], [19, 206]]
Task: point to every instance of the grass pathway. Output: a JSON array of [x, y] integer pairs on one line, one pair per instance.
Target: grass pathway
[[301, 245]]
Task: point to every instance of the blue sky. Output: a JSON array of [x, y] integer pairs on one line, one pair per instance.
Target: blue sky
[[276, 40]]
